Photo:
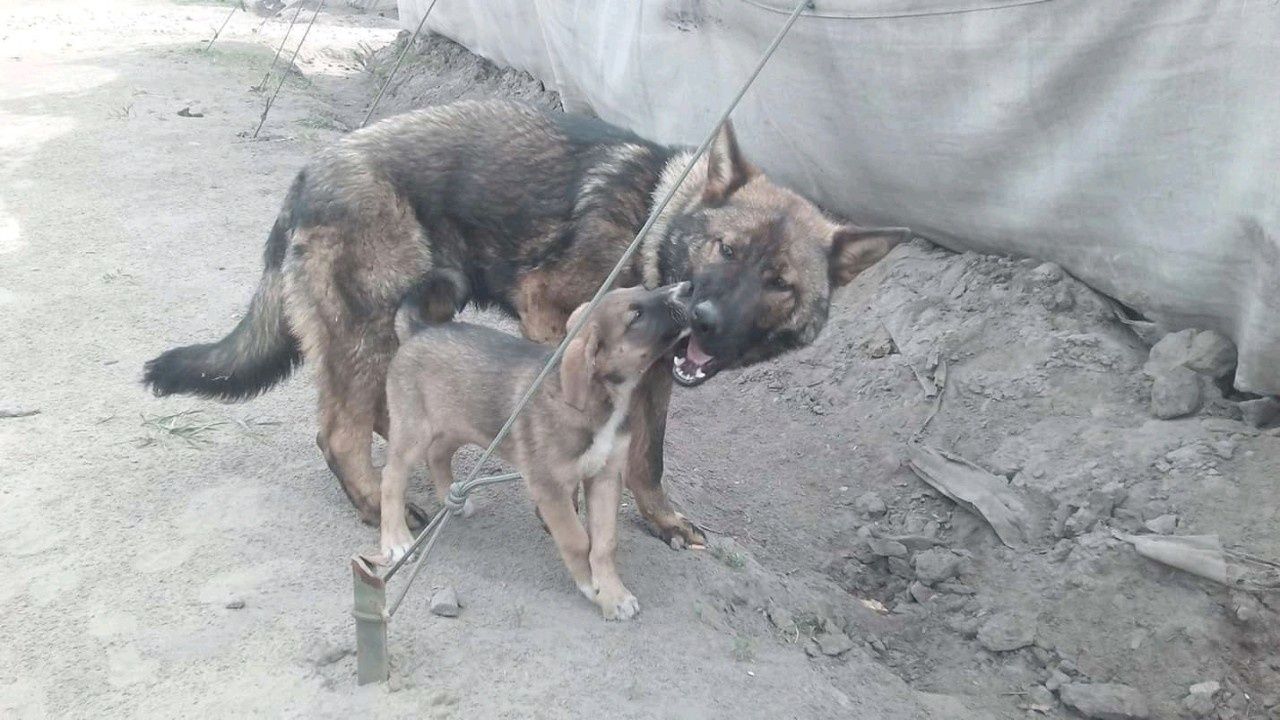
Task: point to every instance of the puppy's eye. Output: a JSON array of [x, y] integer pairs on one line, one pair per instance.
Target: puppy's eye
[[779, 284], [637, 312], [726, 250]]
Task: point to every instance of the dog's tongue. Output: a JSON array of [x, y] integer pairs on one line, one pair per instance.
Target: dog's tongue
[[695, 354]]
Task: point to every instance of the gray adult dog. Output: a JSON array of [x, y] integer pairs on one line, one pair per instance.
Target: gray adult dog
[[499, 204]]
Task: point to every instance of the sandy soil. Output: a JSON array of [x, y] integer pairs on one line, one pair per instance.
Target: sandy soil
[[159, 564]]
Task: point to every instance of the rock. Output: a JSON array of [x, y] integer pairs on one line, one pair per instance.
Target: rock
[[1047, 273], [1162, 525], [1200, 702], [780, 617], [1061, 551], [887, 548], [870, 504], [1171, 351], [1211, 353], [445, 602], [936, 565], [834, 643], [1104, 701], [1041, 696], [1246, 608], [1044, 656], [1057, 679], [1175, 392], [901, 568], [1225, 449], [921, 592], [236, 604], [1209, 687], [954, 587], [1104, 500], [1007, 631], [1260, 412], [1081, 521]]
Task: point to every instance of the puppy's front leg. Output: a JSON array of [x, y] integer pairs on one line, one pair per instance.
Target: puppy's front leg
[[556, 508], [402, 454], [604, 493]]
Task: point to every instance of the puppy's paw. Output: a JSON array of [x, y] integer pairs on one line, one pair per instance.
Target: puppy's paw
[[620, 605], [395, 543]]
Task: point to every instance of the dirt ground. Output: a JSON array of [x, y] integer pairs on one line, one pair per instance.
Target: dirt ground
[[175, 557]]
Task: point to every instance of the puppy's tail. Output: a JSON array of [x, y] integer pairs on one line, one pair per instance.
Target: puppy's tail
[[260, 352], [435, 298]]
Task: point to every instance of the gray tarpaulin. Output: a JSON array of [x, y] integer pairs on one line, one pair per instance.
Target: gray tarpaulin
[[1135, 142]]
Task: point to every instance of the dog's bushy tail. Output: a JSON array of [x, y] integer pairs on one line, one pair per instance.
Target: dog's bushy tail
[[260, 352]]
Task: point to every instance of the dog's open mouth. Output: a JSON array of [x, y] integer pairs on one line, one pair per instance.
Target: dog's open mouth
[[693, 365]]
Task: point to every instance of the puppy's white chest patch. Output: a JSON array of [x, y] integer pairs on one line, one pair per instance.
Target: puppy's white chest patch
[[604, 443]]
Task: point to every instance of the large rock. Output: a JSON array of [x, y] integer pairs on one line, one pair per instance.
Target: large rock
[[1211, 354], [1171, 351], [1175, 392], [1105, 701], [1007, 631], [1260, 412], [936, 565]]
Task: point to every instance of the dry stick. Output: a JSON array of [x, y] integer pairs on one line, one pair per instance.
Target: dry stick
[[271, 101], [407, 46], [238, 6], [262, 85], [608, 282]]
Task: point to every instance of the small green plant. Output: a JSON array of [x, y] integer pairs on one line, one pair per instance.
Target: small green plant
[[744, 648], [190, 426], [731, 558]]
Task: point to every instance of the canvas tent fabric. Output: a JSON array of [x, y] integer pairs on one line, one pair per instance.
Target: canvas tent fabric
[[1135, 143]]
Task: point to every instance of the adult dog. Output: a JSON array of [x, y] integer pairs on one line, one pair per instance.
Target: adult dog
[[525, 211]]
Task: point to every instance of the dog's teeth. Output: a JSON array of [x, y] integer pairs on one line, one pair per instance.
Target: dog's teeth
[[676, 362], [700, 374]]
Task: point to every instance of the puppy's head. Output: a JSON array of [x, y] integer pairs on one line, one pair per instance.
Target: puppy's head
[[631, 328]]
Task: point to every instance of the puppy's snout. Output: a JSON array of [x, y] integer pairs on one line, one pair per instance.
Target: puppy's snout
[[706, 318]]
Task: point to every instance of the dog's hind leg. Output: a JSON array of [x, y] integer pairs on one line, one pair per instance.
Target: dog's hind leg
[[347, 412], [643, 473], [604, 493]]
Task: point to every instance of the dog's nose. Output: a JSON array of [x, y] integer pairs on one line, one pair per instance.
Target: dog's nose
[[706, 318]]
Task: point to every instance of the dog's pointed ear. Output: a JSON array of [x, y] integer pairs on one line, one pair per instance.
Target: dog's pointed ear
[[726, 169], [854, 249], [578, 366]]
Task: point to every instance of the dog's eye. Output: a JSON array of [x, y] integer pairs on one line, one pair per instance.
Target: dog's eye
[[637, 312], [778, 283], [726, 250]]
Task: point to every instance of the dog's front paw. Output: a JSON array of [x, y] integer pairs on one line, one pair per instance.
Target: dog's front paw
[[395, 542], [680, 533], [621, 605]]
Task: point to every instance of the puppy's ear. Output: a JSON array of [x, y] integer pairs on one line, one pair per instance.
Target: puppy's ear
[[726, 169], [854, 249], [578, 366]]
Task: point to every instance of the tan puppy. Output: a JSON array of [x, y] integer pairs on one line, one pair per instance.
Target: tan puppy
[[455, 384]]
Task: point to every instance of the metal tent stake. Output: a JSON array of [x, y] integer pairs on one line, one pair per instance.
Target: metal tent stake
[[370, 611]]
